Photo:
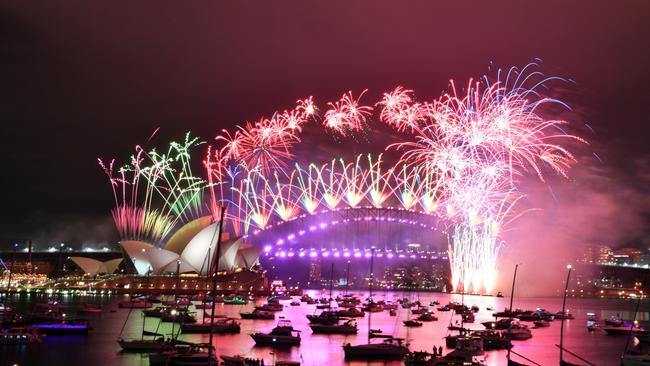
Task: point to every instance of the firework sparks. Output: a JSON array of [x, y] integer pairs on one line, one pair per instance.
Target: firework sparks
[[347, 116]]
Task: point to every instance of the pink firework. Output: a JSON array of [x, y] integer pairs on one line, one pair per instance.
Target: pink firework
[[347, 116], [399, 111]]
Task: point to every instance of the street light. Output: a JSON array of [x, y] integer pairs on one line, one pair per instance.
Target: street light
[[566, 290]]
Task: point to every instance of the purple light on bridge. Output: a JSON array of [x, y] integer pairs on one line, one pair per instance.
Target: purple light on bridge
[[389, 255], [301, 232], [312, 228], [280, 242], [357, 255], [346, 254], [313, 254], [290, 237], [337, 254], [301, 254], [267, 248]]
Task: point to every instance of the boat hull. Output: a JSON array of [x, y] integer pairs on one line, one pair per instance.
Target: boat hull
[[278, 341], [374, 351]]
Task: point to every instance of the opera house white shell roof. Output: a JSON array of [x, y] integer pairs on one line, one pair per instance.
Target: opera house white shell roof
[[93, 267], [147, 258]]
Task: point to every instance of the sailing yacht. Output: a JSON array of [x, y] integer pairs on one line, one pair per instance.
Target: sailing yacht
[[390, 348]]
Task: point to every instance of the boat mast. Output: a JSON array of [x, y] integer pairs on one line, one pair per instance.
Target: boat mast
[[174, 310], [331, 280], [214, 281], [144, 319], [372, 276], [347, 278], [207, 275], [566, 290], [11, 272], [512, 295]]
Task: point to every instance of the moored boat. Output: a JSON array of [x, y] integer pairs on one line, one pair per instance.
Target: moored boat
[[412, 323], [240, 361], [390, 348], [90, 309], [282, 335], [70, 327], [427, 317], [258, 314], [349, 327], [144, 345], [220, 326], [19, 335], [134, 304], [184, 355]]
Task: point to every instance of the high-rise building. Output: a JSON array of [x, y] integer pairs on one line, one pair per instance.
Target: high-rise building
[[315, 274], [597, 254]]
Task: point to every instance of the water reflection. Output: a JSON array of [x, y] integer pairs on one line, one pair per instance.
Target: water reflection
[[100, 348]]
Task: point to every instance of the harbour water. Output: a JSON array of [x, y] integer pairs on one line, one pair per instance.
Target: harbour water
[[99, 348]]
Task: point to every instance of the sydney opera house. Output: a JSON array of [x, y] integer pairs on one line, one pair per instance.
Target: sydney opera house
[[191, 249]]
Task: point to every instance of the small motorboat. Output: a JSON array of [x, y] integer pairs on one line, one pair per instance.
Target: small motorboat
[[352, 312], [326, 317], [241, 361], [294, 303], [412, 323], [626, 330], [90, 309], [258, 314], [47, 313], [499, 324], [220, 326], [184, 355], [144, 345], [444, 308], [134, 304], [270, 307], [565, 315], [541, 323], [614, 321], [69, 327], [19, 335], [176, 315], [235, 300], [434, 303], [5, 309], [468, 318], [392, 312], [349, 327], [519, 332], [390, 348], [592, 322], [181, 301], [427, 317], [282, 335], [419, 310]]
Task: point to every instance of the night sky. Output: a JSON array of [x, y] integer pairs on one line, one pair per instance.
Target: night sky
[[86, 79]]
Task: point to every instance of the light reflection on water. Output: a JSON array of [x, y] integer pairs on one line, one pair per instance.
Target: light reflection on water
[[100, 348]]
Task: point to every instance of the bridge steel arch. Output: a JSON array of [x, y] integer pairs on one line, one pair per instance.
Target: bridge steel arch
[[303, 235]]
